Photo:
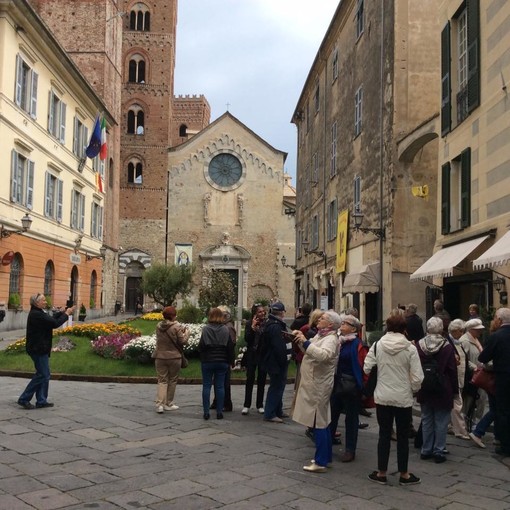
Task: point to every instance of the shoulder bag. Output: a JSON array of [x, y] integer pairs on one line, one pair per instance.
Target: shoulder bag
[[184, 360], [369, 388]]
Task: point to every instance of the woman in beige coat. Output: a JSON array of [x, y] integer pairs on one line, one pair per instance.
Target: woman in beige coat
[[312, 407], [171, 336]]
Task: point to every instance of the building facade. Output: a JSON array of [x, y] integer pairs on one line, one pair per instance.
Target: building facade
[[230, 208], [367, 140], [472, 249], [47, 112]]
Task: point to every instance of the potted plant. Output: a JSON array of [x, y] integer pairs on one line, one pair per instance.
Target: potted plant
[[14, 302], [83, 313], [92, 303], [49, 302]]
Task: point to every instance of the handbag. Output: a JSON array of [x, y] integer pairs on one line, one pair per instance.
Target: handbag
[[184, 361], [345, 386], [484, 379], [369, 387]]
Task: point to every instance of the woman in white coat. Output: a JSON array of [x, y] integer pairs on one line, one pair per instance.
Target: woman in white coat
[[399, 376], [312, 407]]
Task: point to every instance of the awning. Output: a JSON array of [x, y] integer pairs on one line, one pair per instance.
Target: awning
[[362, 279], [442, 263], [497, 255]]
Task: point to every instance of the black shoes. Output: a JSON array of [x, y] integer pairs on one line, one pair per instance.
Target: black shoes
[[206, 416], [219, 416], [439, 459], [362, 426], [412, 480], [46, 404], [364, 412], [25, 405]]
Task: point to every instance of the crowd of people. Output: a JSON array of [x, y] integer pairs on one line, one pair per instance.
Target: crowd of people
[[336, 372]]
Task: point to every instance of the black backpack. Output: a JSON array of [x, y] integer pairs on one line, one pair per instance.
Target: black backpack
[[433, 380]]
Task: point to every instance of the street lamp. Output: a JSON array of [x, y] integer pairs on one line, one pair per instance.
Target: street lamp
[[499, 285], [284, 263], [26, 223], [102, 254], [358, 221]]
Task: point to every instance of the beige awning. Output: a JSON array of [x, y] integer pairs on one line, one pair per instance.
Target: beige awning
[[442, 263], [497, 255], [362, 279]]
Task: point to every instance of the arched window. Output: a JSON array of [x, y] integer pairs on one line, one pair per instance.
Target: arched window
[[15, 281], [140, 18], [93, 290], [135, 172], [182, 130], [49, 278], [136, 69], [136, 121]]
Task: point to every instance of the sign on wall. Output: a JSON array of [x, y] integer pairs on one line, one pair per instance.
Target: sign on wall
[[183, 254], [341, 241]]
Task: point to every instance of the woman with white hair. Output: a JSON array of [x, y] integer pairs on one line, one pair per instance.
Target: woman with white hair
[[317, 374], [439, 387]]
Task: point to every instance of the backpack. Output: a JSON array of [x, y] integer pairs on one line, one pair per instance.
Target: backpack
[[433, 380]]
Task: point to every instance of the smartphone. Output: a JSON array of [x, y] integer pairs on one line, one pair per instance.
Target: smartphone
[[288, 336]]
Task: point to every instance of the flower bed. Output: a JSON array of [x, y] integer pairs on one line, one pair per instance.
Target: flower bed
[[141, 348], [97, 329], [112, 346]]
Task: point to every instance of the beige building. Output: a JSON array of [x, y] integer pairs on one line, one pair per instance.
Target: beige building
[[367, 137], [472, 251], [230, 207], [47, 111]]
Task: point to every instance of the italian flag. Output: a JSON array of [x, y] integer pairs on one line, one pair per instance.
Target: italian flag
[[103, 151]]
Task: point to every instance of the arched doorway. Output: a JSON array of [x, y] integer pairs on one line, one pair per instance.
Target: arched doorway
[[134, 271]]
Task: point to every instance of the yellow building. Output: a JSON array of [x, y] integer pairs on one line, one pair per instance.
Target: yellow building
[[472, 250], [47, 112]]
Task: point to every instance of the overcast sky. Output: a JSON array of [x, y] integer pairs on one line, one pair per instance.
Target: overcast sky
[[254, 55]]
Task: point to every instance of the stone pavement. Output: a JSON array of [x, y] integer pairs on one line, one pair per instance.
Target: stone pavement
[[103, 446]]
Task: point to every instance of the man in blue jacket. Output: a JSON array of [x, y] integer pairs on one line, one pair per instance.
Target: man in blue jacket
[[40, 326], [275, 361]]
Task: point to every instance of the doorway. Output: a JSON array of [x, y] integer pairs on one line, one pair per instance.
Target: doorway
[[133, 293]]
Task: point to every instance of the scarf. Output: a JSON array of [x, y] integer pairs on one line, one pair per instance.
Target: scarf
[[347, 338], [324, 331]]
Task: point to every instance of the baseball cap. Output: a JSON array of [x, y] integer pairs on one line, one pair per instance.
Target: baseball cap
[[278, 307], [474, 324]]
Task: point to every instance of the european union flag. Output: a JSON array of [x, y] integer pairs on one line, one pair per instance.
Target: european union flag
[[94, 146]]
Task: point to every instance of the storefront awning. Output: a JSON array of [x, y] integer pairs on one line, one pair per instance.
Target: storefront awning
[[362, 279], [497, 255], [442, 263]]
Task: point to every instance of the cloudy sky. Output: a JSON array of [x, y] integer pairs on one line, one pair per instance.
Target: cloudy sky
[[254, 55]]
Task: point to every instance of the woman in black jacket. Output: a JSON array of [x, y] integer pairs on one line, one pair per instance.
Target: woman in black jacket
[[216, 354]]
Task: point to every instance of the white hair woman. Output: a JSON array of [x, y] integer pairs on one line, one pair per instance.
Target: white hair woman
[[312, 407]]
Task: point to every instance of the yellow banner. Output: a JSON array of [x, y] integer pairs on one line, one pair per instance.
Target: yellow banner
[[341, 241]]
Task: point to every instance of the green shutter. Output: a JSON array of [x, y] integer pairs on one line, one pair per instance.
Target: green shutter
[[445, 198], [465, 188], [473, 42], [446, 101]]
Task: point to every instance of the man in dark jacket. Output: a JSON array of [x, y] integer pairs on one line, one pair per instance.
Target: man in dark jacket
[[40, 326], [414, 323], [303, 318], [497, 350], [277, 354]]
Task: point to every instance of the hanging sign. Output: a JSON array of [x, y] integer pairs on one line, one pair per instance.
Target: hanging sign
[[7, 258]]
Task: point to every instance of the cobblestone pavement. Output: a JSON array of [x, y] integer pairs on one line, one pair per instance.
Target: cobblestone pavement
[[103, 446]]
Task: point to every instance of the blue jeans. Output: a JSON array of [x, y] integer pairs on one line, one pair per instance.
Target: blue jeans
[[350, 406], [39, 384], [488, 418], [434, 424], [323, 446], [213, 371], [274, 398]]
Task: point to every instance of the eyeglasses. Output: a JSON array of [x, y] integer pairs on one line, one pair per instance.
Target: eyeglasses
[[352, 325]]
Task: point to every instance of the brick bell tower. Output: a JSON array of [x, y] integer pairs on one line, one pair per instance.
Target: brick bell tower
[[152, 120]]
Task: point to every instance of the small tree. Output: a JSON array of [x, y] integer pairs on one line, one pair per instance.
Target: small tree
[[217, 290], [164, 283]]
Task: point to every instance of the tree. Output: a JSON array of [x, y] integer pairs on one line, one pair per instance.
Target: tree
[[164, 283], [217, 290]]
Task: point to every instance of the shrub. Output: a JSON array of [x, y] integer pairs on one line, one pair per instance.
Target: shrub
[[141, 348], [14, 300], [111, 346], [190, 313], [92, 303], [83, 310]]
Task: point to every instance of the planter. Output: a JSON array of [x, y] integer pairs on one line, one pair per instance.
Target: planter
[[82, 318]]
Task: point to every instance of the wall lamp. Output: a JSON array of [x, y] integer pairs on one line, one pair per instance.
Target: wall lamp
[[320, 253], [358, 221], [102, 254], [284, 263], [499, 285], [26, 223]]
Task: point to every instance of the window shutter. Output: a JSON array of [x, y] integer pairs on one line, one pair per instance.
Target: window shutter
[[100, 223], [465, 188], [75, 137], [30, 185], [33, 95], [473, 41], [446, 101], [63, 109], [82, 212], [60, 193], [51, 105], [14, 175], [85, 141], [19, 85], [445, 198], [47, 201], [93, 220]]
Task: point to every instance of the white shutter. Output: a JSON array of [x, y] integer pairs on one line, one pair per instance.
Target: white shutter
[[63, 109], [33, 95], [18, 90], [82, 212], [47, 200], [30, 185], [75, 137], [85, 140], [93, 221], [100, 223], [60, 193], [14, 175], [51, 105]]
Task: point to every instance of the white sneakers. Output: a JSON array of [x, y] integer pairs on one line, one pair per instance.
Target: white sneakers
[[159, 409], [162, 408], [476, 440], [245, 410], [260, 410]]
